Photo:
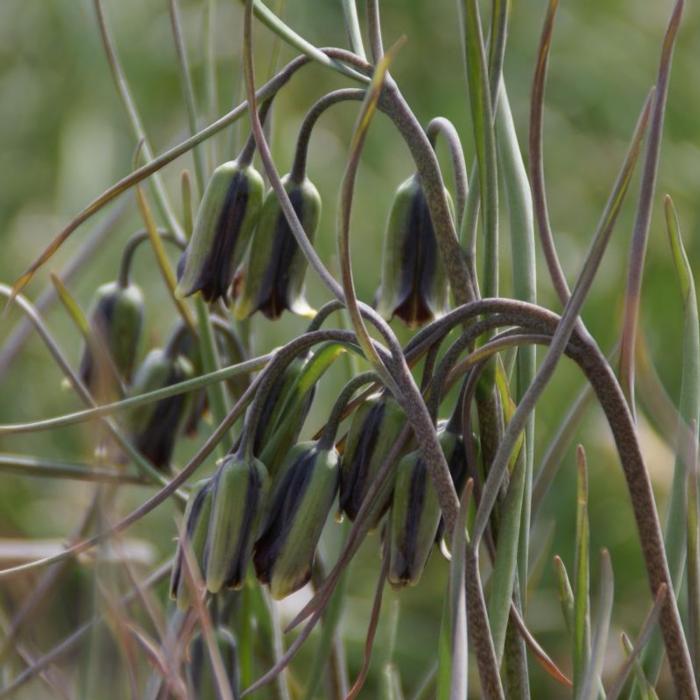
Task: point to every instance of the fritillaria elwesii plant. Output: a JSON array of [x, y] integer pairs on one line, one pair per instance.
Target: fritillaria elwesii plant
[[428, 450]]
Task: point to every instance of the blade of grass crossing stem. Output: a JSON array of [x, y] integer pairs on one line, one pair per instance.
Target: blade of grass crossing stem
[[640, 233], [644, 635], [594, 669], [564, 329], [484, 139], [162, 260], [581, 611], [522, 241], [643, 687], [678, 518]]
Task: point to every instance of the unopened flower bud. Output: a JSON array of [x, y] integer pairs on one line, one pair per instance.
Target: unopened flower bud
[[197, 514], [299, 506], [155, 426], [272, 276], [240, 489], [225, 221], [414, 284], [116, 319], [201, 677], [375, 428]]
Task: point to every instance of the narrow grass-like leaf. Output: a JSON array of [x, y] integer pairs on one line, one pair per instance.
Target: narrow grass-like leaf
[[566, 594], [26, 465], [188, 385], [522, 242], [640, 233], [289, 36], [187, 90], [645, 633], [162, 260], [594, 669], [352, 27], [680, 535], [484, 139], [581, 612], [646, 690], [122, 84]]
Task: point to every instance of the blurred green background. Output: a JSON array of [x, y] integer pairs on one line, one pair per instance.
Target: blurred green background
[[64, 138]]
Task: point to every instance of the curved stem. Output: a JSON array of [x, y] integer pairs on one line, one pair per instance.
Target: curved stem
[[298, 170], [338, 411], [441, 125], [352, 27], [130, 248]]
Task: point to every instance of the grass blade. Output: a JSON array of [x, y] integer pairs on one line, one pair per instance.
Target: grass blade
[[581, 609]]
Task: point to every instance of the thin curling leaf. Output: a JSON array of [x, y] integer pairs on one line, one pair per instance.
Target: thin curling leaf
[[196, 519], [225, 220], [640, 233], [297, 512], [581, 618], [594, 668], [414, 283], [566, 594], [271, 278], [239, 497], [201, 679], [155, 427], [375, 426], [116, 317]]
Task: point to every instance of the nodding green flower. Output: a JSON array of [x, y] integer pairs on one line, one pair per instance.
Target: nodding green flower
[[414, 283], [197, 514], [240, 490], [415, 511], [375, 428], [116, 319], [299, 506], [201, 679], [272, 277], [155, 426], [225, 221]]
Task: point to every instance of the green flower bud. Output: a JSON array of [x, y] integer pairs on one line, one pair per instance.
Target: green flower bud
[[116, 319], [197, 514], [375, 427], [240, 490], [300, 503], [414, 283], [416, 521], [284, 411], [155, 426], [225, 221], [201, 678], [272, 276]]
